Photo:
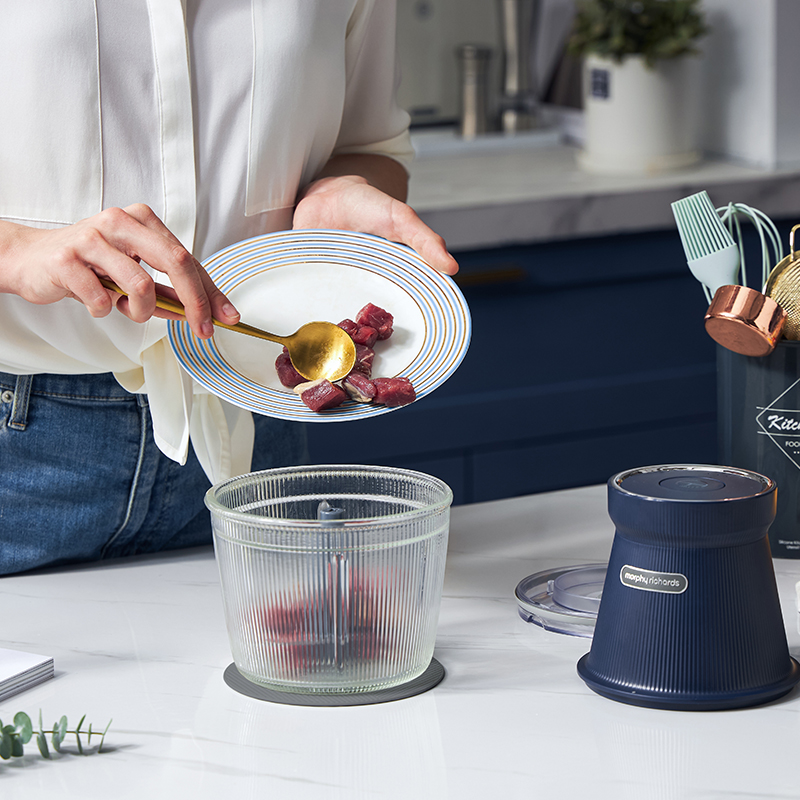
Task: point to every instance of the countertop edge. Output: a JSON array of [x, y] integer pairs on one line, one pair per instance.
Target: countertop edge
[[487, 217]]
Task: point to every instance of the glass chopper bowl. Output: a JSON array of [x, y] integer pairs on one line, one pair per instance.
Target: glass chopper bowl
[[331, 575]]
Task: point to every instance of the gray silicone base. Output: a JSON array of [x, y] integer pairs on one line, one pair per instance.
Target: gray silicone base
[[432, 676]]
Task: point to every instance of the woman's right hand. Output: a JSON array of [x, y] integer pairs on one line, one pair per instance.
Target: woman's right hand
[[45, 266]]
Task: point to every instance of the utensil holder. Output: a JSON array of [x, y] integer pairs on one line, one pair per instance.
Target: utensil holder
[[758, 402]]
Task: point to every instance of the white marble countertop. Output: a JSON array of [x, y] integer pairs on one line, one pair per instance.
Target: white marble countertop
[[143, 641], [489, 198]]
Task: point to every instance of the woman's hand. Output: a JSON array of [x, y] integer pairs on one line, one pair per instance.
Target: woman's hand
[[360, 193], [44, 266]]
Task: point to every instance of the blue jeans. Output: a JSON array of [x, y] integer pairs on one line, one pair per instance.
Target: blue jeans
[[82, 479]]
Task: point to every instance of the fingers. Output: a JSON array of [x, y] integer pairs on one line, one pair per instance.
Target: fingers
[[220, 306], [45, 265], [227, 313], [432, 248], [348, 203], [74, 262], [411, 230], [139, 232]]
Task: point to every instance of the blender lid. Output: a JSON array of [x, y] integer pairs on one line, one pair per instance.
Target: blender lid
[[563, 599], [692, 482]]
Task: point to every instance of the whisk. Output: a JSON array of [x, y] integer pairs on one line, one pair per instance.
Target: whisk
[[767, 233]]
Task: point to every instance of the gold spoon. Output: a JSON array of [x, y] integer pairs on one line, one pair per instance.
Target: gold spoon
[[317, 350]]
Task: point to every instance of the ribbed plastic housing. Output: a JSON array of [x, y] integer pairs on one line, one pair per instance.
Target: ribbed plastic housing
[[347, 604], [690, 617]]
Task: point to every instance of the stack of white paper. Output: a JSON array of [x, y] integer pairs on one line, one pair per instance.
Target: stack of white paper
[[20, 671]]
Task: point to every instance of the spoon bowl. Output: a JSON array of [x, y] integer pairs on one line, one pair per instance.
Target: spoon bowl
[[318, 350]]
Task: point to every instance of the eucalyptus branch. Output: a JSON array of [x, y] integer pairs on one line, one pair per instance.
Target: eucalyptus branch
[[15, 736]]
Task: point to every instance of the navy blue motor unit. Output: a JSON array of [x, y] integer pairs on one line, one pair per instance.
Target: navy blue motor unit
[[690, 617]]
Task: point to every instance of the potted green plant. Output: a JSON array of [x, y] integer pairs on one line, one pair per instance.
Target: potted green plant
[[641, 82]]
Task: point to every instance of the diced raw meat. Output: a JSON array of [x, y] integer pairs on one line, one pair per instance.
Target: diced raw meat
[[364, 358], [359, 387], [371, 324], [321, 395], [394, 391], [293, 627], [360, 334], [365, 335], [287, 627], [349, 326], [287, 374], [377, 318]]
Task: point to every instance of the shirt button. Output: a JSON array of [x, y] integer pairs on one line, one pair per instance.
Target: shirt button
[[7, 396]]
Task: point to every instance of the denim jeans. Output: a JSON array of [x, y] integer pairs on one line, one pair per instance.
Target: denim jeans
[[82, 479]]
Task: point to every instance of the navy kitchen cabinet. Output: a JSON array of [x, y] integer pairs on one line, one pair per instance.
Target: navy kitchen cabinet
[[587, 357]]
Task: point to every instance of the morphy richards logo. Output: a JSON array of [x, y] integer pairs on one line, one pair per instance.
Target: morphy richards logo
[[649, 581], [782, 426]]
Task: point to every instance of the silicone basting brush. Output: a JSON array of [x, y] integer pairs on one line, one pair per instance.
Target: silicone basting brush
[[711, 253]]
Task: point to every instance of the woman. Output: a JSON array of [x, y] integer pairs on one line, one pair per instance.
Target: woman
[[143, 136]]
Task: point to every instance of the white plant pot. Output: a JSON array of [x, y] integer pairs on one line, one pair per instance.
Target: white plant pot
[[640, 120]]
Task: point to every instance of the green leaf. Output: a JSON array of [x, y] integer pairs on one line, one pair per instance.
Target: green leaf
[[78, 734], [6, 744], [89, 737], [59, 733], [103, 736], [24, 726], [17, 749], [655, 29], [56, 737], [41, 741]]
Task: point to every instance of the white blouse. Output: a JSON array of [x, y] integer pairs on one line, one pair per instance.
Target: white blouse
[[214, 114]]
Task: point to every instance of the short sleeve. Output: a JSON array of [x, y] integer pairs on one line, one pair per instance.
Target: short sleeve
[[372, 121]]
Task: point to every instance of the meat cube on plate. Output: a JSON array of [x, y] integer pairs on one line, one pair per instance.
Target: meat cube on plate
[[377, 318], [359, 387], [364, 358], [394, 391], [360, 334], [321, 395], [365, 335], [349, 326], [287, 374]]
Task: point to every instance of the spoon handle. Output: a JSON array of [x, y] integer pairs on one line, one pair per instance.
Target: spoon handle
[[176, 308]]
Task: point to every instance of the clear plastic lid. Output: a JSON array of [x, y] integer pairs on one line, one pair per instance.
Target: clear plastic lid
[[564, 599]]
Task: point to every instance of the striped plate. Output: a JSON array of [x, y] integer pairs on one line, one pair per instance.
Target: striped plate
[[282, 280]]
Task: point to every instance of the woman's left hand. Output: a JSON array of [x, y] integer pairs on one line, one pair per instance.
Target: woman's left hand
[[351, 202]]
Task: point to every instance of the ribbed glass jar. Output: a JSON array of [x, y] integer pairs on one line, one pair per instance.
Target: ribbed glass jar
[[331, 605]]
